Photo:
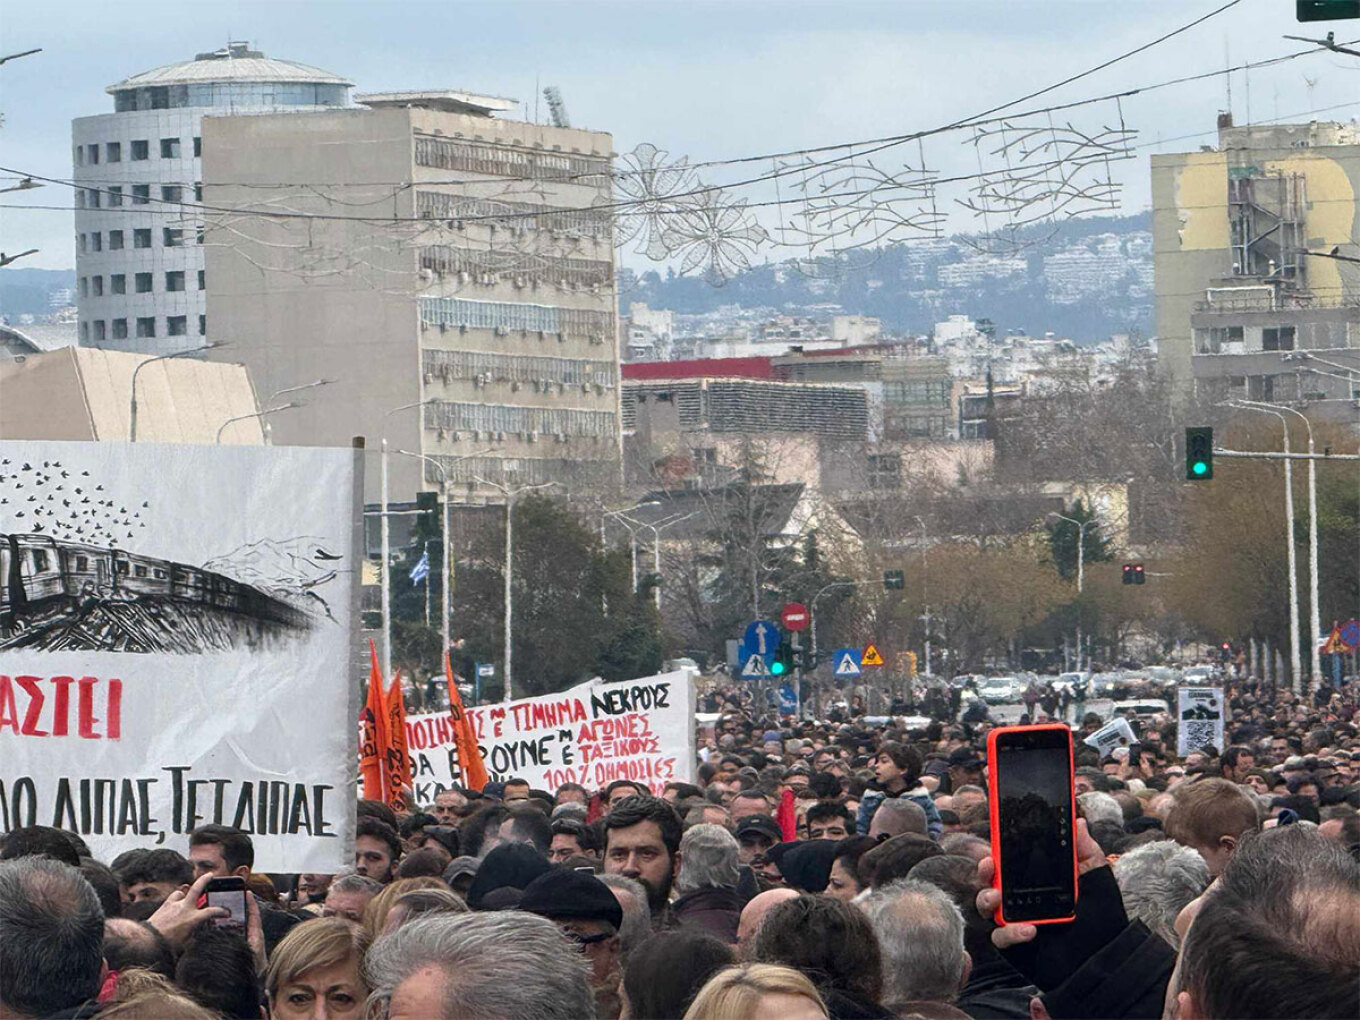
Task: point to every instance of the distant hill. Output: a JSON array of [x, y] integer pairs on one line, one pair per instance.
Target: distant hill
[[1089, 279], [26, 291]]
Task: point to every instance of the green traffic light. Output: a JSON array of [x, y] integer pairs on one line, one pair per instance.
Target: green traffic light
[[776, 668], [1199, 467]]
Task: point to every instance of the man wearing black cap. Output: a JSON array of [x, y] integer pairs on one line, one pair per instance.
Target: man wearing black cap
[[590, 916], [756, 834], [965, 768]]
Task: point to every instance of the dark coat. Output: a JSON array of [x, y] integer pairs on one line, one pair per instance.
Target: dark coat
[[713, 910]]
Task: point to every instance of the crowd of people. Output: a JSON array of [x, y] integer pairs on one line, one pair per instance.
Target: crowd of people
[[812, 869]]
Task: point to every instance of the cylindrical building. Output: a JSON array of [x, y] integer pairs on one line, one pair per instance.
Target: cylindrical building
[[139, 255]]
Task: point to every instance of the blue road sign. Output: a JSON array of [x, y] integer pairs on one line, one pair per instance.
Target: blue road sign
[[845, 662], [753, 665], [762, 638], [788, 700]]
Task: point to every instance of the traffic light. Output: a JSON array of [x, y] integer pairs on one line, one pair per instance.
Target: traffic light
[[893, 580], [1134, 573], [1199, 452], [1326, 10], [428, 505], [1225, 651], [781, 664]]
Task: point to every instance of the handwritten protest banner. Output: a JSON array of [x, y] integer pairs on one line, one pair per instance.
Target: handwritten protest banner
[[175, 645], [591, 734]]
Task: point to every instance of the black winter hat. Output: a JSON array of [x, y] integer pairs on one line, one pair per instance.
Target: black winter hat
[[566, 893], [510, 864]]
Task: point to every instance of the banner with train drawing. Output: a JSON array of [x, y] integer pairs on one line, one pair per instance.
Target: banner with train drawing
[[175, 644]]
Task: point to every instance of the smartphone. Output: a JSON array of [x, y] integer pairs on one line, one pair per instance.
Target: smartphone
[[230, 894], [1033, 816]]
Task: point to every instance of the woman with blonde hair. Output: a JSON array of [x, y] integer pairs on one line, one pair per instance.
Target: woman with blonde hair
[[318, 964], [375, 914], [758, 991]]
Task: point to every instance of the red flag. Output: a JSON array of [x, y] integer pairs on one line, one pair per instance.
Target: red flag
[[398, 767], [786, 816], [373, 732], [469, 754]]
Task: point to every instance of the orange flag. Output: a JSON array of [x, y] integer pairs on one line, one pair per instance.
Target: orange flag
[[398, 768], [469, 754], [373, 732]]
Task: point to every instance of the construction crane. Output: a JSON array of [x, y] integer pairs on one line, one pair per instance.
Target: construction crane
[[556, 108]]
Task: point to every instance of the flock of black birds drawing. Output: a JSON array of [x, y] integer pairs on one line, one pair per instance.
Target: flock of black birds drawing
[[48, 499]]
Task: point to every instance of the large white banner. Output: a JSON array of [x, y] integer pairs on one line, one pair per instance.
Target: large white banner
[[1199, 719], [175, 645], [590, 734]]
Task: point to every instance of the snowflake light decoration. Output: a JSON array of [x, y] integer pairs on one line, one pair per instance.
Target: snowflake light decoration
[[718, 234], [649, 190]]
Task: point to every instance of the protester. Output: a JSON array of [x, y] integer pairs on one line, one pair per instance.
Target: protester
[[152, 876], [1157, 881], [759, 991], [642, 842], [590, 916], [637, 915], [348, 897], [754, 913], [706, 884], [377, 849], [661, 979], [317, 972], [921, 932]]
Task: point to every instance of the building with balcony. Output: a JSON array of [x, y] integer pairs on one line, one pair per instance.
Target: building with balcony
[[140, 265], [1255, 257]]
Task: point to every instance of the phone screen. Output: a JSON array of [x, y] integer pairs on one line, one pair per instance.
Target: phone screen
[[232, 900], [1034, 789]]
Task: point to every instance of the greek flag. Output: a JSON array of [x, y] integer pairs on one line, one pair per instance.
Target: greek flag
[[421, 570]]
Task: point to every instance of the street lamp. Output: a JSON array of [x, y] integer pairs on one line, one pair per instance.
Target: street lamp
[[386, 540], [510, 495], [444, 526], [657, 528], [254, 414], [132, 411], [925, 589], [632, 534], [1081, 568]]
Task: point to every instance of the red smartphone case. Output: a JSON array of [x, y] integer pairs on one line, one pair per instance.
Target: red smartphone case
[[994, 810]]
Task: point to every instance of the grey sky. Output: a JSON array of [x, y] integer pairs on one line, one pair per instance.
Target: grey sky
[[707, 80]]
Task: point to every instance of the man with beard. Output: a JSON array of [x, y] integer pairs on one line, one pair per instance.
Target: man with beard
[[642, 842]]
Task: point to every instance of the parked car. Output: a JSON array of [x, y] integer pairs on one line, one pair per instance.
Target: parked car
[[999, 690]]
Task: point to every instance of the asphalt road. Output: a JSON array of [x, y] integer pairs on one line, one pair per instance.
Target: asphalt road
[[1010, 714]]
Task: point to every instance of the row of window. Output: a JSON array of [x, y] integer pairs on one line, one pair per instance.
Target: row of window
[[229, 95], [145, 327], [140, 194], [138, 150], [142, 283], [171, 237]]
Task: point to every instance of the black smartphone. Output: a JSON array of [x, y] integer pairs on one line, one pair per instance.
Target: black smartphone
[[1033, 815], [230, 894]]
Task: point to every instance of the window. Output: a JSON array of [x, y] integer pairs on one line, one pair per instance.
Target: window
[[142, 283], [94, 153], [96, 241], [83, 564], [92, 198], [171, 193], [202, 325], [1277, 338], [141, 194], [139, 570], [146, 326], [120, 329], [80, 155], [80, 198], [121, 567], [174, 280], [97, 285], [84, 332], [115, 240], [198, 191], [84, 286], [140, 149], [198, 147], [198, 234], [80, 242], [115, 195], [117, 284], [113, 152], [141, 237], [200, 279], [177, 325], [99, 329], [39, 560], [159, 574], [169, 148], [172, 237]]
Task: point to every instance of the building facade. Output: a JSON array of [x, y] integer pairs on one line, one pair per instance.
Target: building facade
[[450, 272], [139, 253], [1255, 265]]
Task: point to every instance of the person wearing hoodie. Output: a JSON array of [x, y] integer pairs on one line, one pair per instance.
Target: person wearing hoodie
[[897, 771]]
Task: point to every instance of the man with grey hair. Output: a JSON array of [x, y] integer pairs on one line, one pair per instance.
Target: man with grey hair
[[896, 816], [1157, 880], [477, 967], [1095, 806], [348, 896], [51, 938], [707, 882], [637, 915], [920, 933]]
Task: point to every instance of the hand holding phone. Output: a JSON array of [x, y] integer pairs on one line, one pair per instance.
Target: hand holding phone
[[229, 894], [1033, 822]]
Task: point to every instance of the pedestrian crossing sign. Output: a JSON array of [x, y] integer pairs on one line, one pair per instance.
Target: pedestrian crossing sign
[[871, 657], [755, 667], [845, 662]]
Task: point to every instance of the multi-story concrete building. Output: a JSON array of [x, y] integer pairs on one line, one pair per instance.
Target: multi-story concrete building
[[451, 271], [1255, 251], [139, 253]]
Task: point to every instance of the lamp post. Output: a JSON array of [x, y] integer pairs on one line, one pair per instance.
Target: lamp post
[[256, 414], [1295, 652], [444, 531], [1081, 569], [268, 430], [510, 495], [386, 542], [132, 410], [632, 534], [925, 589], [657, 528]]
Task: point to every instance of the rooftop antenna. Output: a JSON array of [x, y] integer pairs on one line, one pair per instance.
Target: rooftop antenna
[[1310, 84], [1227, 77], [557, 109]]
